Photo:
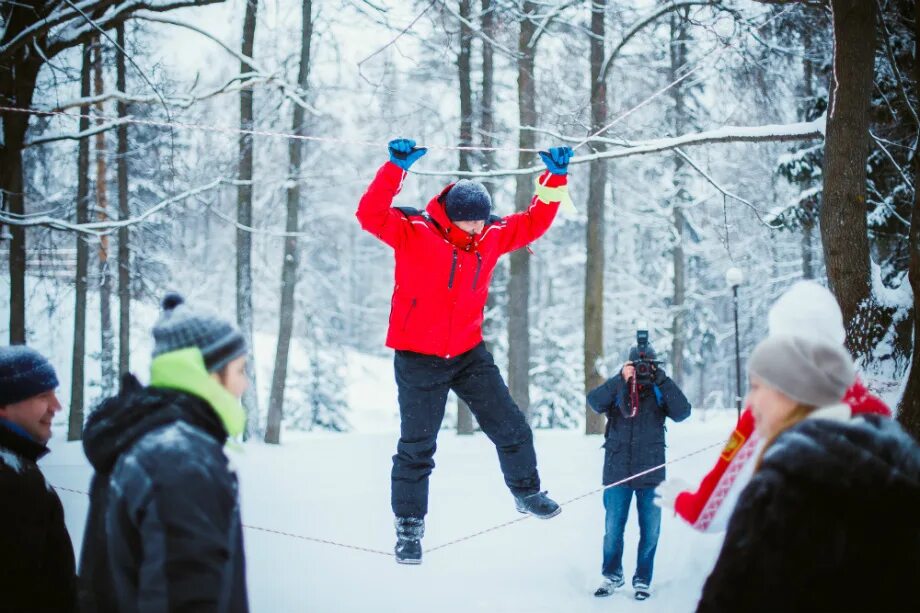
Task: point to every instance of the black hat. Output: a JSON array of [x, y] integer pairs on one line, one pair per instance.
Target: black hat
[[24, 373], [650, 353], [468, 201]]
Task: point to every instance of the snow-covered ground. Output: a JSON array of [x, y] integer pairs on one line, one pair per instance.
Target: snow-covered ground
[[336, 487]]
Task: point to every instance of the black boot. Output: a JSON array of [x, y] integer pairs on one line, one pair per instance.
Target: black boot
[[409, 533], [538, 504]]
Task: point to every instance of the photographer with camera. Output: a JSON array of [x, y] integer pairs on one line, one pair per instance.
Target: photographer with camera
[[636, 402]]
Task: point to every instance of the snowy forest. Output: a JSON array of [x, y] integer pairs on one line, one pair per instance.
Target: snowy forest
[[219, 148]]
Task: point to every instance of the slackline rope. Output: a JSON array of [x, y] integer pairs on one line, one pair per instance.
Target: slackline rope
[[464, 538]]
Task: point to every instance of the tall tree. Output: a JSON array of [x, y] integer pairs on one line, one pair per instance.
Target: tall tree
[[464, 70], [597, 194], [124, 212], [519, 282], [77, 377], [844, 231], [244, 314], [909, 409], [291, 254], [107, 340], [680, 197], [33, 34]]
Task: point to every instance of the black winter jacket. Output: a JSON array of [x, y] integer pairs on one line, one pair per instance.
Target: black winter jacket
[[163, 531], [635, 444], [36, 555], [828, 523]]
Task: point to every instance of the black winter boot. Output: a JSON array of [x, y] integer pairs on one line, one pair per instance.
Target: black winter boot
[[539, 505], [409, 533]]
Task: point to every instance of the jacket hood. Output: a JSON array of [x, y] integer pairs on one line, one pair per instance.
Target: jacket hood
[[848, 458], [117, 423]]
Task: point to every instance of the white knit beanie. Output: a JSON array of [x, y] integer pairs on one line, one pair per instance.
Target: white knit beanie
[[813, 372], [810, 310]]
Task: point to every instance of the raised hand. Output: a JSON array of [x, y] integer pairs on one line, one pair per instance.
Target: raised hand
[[404, 153], [557, 159]]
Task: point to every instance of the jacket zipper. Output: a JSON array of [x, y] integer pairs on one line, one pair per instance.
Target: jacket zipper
[[478, 266], [408, 313], [453, 269]]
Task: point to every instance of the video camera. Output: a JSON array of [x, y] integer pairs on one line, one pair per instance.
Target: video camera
[[644, 361]]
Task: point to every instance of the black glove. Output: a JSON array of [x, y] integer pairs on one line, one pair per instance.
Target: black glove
[[660, 376]]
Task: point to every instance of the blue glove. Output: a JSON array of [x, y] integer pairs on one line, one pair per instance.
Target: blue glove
[[404, 153], [557, 159]]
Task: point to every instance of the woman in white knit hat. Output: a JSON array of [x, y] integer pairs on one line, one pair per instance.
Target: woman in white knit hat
[[828, 522]]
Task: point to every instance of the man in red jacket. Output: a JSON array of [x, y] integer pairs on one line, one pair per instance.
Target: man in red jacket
[[445, 256]]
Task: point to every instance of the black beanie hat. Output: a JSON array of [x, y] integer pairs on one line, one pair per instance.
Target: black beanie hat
[[24, 373], [468, 201]]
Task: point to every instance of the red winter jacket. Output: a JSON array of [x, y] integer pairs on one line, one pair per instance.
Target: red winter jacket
[[443, 273]]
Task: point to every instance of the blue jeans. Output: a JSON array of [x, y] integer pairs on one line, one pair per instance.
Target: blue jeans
[[617, 501]]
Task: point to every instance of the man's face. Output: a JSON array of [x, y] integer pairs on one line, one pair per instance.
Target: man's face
[[471, 227], [34, 415]]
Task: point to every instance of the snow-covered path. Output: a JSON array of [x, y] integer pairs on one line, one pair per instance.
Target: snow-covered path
[[336, 487]]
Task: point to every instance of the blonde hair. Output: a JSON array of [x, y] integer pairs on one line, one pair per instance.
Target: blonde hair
[[800, 412]]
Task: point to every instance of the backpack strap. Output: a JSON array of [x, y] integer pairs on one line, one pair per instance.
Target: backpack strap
[[658, 396]]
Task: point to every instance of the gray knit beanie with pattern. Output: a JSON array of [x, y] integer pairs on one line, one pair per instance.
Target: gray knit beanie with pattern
[[181, 327], [813, 372]]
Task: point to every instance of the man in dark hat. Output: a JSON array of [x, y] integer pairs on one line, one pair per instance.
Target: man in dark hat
[[445, 256], [37, 571], [636, 402]]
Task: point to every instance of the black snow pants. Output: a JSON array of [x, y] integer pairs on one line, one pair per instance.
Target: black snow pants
[[423, 382]]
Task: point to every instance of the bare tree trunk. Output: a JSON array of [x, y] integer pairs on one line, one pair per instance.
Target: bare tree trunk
[[909, 407], [678, 51], [107, 346], [597, 191], [17, 86], [77, 381], [844, 228], [464, 415], [519, 283], [244, 314], [124, 212], [291, 252]]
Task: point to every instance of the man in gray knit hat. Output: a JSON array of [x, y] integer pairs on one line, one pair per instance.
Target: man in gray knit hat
[[164, 531]]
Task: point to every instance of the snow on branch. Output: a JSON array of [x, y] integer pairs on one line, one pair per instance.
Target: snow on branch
[[233, 84], [728, 134], [79, 135], [101, 228], [291, 92]]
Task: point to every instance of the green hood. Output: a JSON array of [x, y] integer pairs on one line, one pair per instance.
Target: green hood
[[184, 370]]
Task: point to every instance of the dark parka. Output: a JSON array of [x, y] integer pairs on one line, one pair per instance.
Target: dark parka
[[36, 555], [163, 531], [828, 523], [635, 444]]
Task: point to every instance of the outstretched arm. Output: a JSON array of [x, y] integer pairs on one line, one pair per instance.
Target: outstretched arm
[[523, 228], [375, 212]]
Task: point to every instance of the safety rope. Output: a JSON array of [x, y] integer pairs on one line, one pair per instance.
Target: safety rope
[[464, 538]]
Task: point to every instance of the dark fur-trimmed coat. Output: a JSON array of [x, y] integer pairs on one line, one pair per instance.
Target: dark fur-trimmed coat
[[830, 522]]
